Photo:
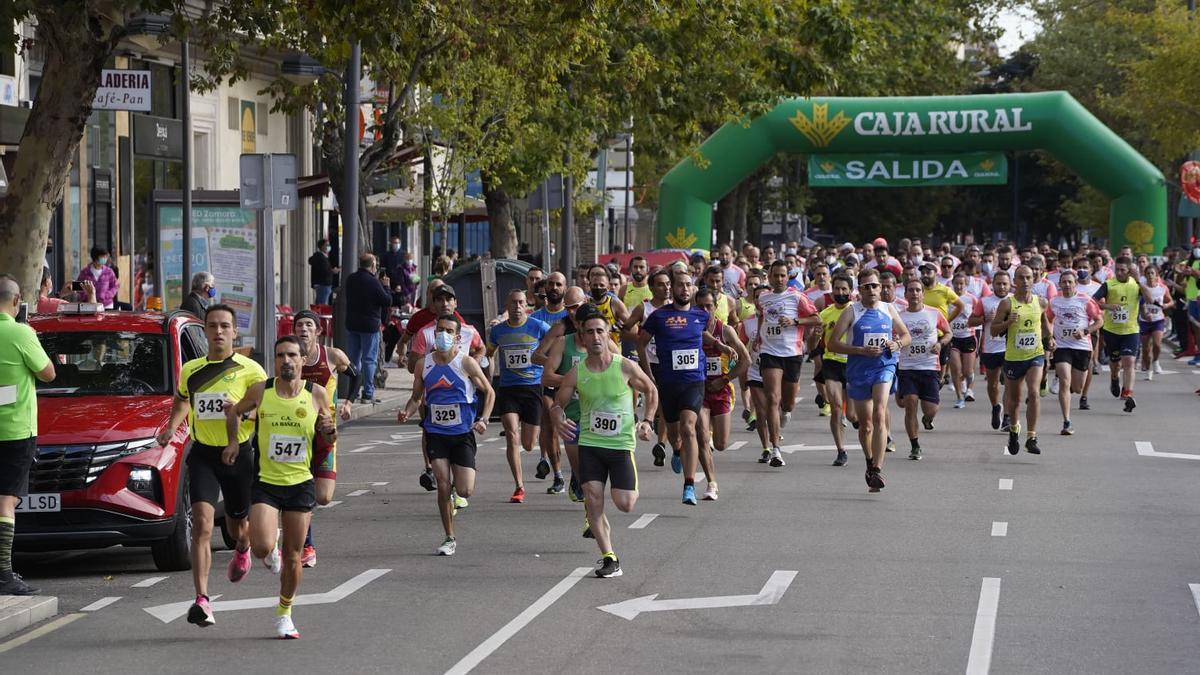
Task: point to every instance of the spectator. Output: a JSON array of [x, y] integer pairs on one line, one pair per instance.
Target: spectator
[[392, 260], [49, 305], [367, 304], [321, 272], [442, 266], [102, 276], [204, 291]]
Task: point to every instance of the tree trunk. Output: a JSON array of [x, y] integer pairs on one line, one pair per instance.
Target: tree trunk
[[77, 45], [725, 217], [500, 220]]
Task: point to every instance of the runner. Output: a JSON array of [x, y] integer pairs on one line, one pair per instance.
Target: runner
[[785, 312], [637, 290], [833, 366], [817, 292], [322, 365], [747, 330], [887, 294], [920, 379], [606, 302], [726, 305], [1152, 320], [551, 314], [660, 295], [963, 344], [1119, 298], [715, 415], [1075, 317], [520, 390], [205, 385], [565, 352], [991, 355], [746, 310], [678, 331], [1021, 318], [871, 334], [291, 414], [606, 383], [446, 392]]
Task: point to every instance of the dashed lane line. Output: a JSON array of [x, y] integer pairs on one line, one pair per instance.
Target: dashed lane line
[[1006, 483], [330, 505], [979, 661], [641, 523], [100, 604], [999, 529], [147, 583], [358, 493], [736, 445], [380, 484]]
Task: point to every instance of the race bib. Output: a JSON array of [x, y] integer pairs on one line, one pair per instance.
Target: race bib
[[774, 330], [8, 394], [1154, 312], [1026, 340], [606, 423], [517, 358], [712, 366], [288, 449], [959, 325], [1119, 315], [918, 350], [685, 359], [445, 415], [1066, 333], [876, 339], [211, 406]]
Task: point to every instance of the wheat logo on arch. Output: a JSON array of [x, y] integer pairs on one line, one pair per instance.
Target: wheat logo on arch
[[820, 130]]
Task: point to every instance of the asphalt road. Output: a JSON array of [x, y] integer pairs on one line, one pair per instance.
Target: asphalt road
[[1092, 573]]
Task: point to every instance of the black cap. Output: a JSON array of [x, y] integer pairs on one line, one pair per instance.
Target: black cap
[[929, 265], [445, 289], [306, 314]]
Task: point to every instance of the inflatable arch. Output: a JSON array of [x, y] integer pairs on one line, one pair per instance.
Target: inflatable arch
[[1051, 121]]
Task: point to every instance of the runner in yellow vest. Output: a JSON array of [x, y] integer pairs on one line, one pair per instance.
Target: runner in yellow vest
[[1021, 320], [1119, 298]]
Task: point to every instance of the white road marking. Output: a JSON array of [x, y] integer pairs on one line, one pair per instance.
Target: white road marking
[[147, 583], [1006, 483], [641, 523], [40, 631], [102, 603], [511, 628], [812, 448], [1146, 449], [365, 447], [771, 593], [358, 493], [169, 612], [380, 484], [979, 662], [999, 529], [490, 440], [736, 445], [330, 505], [1195, 595]]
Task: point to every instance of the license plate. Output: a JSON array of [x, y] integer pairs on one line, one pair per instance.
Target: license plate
[[40, 503]]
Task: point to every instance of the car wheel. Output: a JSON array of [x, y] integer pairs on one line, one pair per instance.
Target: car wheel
[[174, 553]]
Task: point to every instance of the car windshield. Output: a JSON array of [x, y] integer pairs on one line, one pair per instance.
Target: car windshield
[[106, 363]]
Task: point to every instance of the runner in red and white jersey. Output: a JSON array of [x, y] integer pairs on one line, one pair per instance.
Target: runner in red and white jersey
[[820, 286], [1074, 318], [785, 312], [919, 377], [964, 344], [992, 354], [1042, 286], [977, 284]]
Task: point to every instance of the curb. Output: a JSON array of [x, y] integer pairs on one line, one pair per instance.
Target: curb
[[391, 398], [20, 612]]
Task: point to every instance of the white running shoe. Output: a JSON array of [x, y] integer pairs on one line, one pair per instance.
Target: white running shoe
[[776, 458], [783, 421], [274, 562], [1149, 374], [960, 404], [710, 493], [285, 629], [1158, 367], [1054, 384], [448, 547]]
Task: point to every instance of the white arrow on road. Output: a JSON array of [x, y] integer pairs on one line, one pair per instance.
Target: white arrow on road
[[1146, 449], [771, 593], [811, 448], [169, 612]]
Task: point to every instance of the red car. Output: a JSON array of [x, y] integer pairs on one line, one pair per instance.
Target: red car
[[99, 478]]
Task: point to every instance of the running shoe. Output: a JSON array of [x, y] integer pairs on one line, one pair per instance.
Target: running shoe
[[1149, 375], [1114, 386], [575, 490], [239, 565], [285, 629], [558, 488], [1067, 429], [1006, 424], [1083, 403], [1053, 380], [689, 495], [765, 457], [1042, 390], [891, 445], [875, 479], [820, 401], [841, 458], [676, 463], [543, 469], [752, 425], [960, 404], [273, 561], [459, 502], [785, 418], [927, 422], [1158, 368], [201, 613], [427, 481], [854, 423], [518, 496], [448, 547], [587, 529], [745, 414], [915, 453], [710, 493], [660, 453], [609, 567], [776, 458], [970, 395], [1031, 446], [1129, 404], [826, 410], [309, 557], [1014, 443], [995, 417], [1194, 362]]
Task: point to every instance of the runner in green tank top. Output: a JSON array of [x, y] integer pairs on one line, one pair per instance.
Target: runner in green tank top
[[1119, 298], [606, 382], [1021, 320], [291, 413]]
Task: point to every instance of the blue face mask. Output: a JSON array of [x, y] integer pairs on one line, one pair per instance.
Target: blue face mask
[[212, 292], [1083, 276], [443, 341]]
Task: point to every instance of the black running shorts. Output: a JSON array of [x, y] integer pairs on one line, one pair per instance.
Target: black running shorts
[[211, 480], [603, 464]]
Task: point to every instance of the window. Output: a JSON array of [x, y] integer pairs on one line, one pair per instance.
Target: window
[[106, 364]]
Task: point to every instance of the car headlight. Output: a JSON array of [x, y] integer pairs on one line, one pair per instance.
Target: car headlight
[[143, 480]]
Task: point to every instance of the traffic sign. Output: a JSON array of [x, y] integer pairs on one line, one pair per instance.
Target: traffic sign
[[268, 182]]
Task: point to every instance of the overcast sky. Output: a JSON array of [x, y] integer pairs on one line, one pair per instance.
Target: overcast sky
[[1019, 27]]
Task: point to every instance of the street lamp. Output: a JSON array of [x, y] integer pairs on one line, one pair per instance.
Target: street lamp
[[299, 68]]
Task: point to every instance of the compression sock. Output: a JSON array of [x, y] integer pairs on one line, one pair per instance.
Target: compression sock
[[610, 555], [915, 443], [8, 529], [285, 607], [689, 481]]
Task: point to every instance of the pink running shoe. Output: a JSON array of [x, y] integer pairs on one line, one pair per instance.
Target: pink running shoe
[[239, 565]]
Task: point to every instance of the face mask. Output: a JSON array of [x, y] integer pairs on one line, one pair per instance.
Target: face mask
[[443, 341], [599, 293], [325, 250], [1196, 252], [985, 267], [395, 247], [841, 299], [638, 277], [212, 292], [102, 261], [830, 259], [790, 251]]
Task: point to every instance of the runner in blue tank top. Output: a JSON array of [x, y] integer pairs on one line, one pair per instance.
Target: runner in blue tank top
[[876, 337]]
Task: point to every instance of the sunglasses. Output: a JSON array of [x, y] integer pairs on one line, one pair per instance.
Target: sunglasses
[[574, 307], [869, 285]]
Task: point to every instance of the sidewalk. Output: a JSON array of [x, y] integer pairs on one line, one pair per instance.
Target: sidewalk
[[18, 613], [391, 398]]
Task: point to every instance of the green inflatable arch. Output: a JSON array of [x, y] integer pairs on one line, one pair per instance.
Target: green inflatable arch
[[1052, 121]]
